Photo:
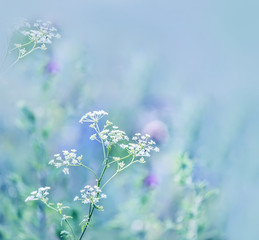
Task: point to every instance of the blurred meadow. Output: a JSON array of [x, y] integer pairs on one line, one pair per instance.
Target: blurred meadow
[[185, 72]]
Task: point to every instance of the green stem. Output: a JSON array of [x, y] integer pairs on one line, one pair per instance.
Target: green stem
[[118, 170], [91, 208], [90, 170], [105, 167], [98, 131], [88, 221], [20, 57], [32, 49], [5, 56], [23, 45], [67, 222], [120, 159], [109, 179]]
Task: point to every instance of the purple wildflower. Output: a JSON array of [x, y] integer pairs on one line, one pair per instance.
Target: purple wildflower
[[52, 67], [151, 180]]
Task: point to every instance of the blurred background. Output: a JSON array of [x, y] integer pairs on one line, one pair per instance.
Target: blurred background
[[186, 72]]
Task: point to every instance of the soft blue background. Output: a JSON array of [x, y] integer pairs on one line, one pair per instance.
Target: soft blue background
[[194, 53]]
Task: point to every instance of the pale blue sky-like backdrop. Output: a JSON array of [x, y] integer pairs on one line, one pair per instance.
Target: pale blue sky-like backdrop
[[200, 57]]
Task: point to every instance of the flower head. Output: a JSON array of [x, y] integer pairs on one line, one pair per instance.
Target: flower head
[[36, 36], [52, 67], [68, 159], [141, 147], [41, 32], [151, 180], [94, 116], [40, 194], [91, 195]]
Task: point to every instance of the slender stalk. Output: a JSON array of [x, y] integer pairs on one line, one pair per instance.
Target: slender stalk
[[67, 222], [98, 131], [105, 167], [118, 170], [90, 170], [16, 61], [23, 45], [109, 179], [5, 56], [70, 227], [91, 208], [88, 221], [32, 49], [120, 159], [20, 57]]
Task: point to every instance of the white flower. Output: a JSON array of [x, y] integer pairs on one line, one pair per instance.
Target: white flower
[[65, 170], [112, 136], [93, 137], [94, 116], [30, 198], [68, 159], [142, 146], [39, 194], [51, 162], [17, 45], [123, 146], [22, 51], [103, 195], [42, 32], [43, 47], [37, 35], [121, 164], [91, 195], [156, 149]]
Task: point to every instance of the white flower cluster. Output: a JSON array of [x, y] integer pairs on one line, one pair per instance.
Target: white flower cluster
[[112, 136], [142, 146], [70, 159], [91, 195], [39, 194], [42, 32], [94, 116], [38, 35]]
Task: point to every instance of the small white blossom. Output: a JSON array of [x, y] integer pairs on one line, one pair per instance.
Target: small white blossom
[[65, 170], [93, 137], [39, 194], [91, 195], [17, 45], [94, 116], [68, 159], [22, 51], [112, 136], [156, 149], [123, 146], [121, 164], [103, 195], [142, 160], [142, 146], [42, 32], [37, 36], [43, 47]]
